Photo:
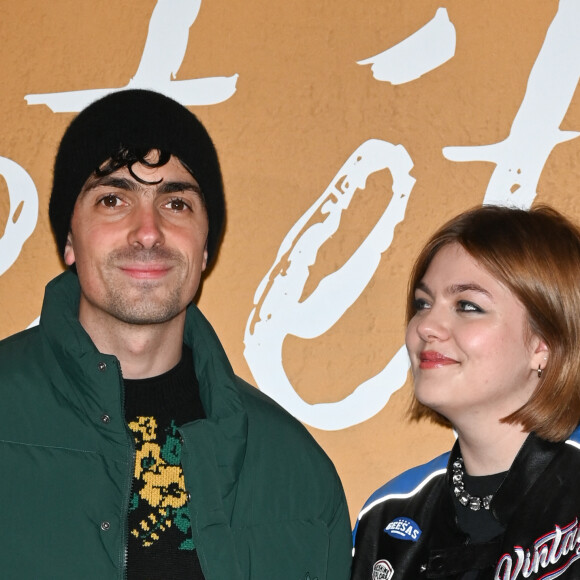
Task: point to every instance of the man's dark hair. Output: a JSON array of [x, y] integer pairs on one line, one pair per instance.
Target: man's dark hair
[[127, 157]]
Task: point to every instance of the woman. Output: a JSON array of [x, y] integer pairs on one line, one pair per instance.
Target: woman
[[493, 336]]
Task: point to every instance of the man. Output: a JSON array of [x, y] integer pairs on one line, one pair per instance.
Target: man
[[128, 447]]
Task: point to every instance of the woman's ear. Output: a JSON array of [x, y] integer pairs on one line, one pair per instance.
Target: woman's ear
[[540, 356]]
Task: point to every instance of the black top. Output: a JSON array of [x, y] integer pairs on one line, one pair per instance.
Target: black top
[[160, 544], [479, 525]]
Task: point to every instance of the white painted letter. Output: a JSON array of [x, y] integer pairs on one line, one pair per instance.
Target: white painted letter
[[163, 54], [280, 312], [535, 131], [423, 51], [23, 213]]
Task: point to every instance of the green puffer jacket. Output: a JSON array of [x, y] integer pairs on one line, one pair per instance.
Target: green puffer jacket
[[266, 502]]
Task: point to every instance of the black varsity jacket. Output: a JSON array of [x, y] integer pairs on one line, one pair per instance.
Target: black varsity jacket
[[407, 530]]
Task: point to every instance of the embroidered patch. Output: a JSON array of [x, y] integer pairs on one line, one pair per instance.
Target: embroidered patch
[[382, 570], [551, 554], [404, 529]]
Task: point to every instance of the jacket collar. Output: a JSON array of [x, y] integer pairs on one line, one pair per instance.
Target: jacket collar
[[225, 429], [529, 463], [87, 379], [79, 360]]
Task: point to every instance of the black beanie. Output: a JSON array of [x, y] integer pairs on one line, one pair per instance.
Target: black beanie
[[141, 119]]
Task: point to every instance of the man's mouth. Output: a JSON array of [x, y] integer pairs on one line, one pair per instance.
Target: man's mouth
[[145, 271]]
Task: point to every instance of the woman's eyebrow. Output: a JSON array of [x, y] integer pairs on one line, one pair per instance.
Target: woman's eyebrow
[[468, 287], [456, 289], [423, 287]]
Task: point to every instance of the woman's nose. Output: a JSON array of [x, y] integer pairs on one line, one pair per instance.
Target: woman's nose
[[432, 324]]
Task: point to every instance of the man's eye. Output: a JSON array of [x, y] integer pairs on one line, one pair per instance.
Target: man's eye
[[110, 201], [177, 204]]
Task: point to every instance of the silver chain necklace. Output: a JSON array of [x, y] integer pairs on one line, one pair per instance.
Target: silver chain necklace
[[473, 502]]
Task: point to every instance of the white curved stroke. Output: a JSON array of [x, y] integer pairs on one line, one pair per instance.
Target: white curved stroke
[[279, 310], [23, 199], [423, 51], [535, 131], [162, 56], [163, 53]]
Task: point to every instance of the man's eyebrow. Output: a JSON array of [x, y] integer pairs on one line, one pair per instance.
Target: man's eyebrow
[[177, 186], [110, 181], [126, 184]]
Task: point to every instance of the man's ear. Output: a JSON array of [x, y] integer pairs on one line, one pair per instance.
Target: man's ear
[[69, 253], [204, 263]]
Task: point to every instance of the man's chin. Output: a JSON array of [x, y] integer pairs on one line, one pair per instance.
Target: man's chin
[[140, 318], [143, 309]]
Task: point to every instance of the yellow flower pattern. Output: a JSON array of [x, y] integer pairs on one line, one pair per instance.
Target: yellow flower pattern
[[159, 488]]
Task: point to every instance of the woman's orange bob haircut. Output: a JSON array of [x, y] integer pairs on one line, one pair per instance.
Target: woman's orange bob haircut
[[536, 255]]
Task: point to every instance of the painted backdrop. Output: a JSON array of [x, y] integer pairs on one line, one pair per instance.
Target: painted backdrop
[[347, 131]]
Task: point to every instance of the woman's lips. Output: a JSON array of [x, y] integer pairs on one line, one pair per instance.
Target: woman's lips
[[430, 359]]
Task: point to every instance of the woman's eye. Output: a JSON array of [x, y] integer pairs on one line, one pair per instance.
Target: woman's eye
[[466, 306], [420, 304]]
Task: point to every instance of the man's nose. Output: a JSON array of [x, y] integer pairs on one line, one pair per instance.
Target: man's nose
[[146, 230]]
